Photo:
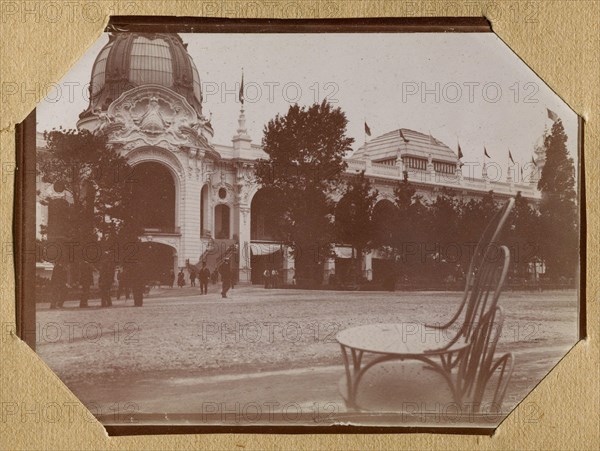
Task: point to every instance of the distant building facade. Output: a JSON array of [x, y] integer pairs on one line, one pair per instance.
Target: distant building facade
[[198, 200]]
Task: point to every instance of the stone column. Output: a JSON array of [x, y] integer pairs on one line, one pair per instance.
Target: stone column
[[289, 265], [189, 217], [242, 226], [367, 266], [328, 269]]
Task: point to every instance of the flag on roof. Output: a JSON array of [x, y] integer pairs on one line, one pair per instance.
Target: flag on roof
[[241, 94], [460, 154], [403, 137], [485, 152], [367, 129], [552, 115], [511, 157]]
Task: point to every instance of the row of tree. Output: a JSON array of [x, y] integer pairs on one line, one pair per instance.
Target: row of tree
[[426, 239]]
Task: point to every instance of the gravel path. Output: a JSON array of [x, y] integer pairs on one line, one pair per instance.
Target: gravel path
[[147, 354]]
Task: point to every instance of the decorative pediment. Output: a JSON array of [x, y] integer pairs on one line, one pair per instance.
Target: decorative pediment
[[154, 115]]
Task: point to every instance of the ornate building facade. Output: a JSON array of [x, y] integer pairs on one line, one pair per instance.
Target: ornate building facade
[[197, 199]]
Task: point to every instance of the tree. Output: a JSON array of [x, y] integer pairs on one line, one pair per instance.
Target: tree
[[475, 215], [408, 228], [93, 179], [306, 149], [558, 207], [354, 216], [444, 250], [522, 235]]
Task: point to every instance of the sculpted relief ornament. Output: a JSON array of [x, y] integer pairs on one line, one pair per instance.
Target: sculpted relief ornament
[[152, 115]]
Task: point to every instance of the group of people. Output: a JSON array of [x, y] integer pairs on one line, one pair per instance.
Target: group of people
[[204, 275], [130, 281], [271, 277]]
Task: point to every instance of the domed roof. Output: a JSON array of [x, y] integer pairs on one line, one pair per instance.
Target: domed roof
[[406, 142], [129, 60]]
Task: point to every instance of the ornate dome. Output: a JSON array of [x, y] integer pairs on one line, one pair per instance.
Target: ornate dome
[[129, 60]]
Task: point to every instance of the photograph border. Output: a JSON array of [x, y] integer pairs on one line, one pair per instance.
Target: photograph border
[[25, 133]]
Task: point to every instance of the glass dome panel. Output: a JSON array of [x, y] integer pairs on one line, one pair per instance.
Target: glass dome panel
[[197, 88], [99, 70], [151, 62]]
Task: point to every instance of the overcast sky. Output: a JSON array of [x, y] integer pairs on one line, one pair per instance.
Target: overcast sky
[[466, 87]]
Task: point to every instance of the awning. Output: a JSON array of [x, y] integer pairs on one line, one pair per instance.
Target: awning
[[343, 252], [264, 248]]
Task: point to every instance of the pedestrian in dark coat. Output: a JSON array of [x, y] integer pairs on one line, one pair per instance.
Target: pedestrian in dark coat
[[225, 271], [171, 277], [193, 276], [204, 276], [181, 279]]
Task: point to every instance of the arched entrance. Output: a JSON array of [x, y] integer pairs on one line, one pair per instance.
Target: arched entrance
[[158, 262], [154, 194], [222, 221]]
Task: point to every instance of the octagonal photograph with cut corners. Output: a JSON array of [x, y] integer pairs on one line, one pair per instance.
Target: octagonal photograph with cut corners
[[305, 229]]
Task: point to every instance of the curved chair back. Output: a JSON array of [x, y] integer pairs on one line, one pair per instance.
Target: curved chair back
[[488, 238]]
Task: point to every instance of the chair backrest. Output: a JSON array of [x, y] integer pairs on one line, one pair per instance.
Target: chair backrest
[[483, 323], [486, 289], [488, 239]]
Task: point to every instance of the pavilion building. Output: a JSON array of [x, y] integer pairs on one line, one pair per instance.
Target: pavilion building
[[199, 200]]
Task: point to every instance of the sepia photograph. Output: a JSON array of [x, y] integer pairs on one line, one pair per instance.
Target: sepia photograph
[[305, 229]]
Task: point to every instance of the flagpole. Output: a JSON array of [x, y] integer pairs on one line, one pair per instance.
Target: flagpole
[[483, 162]]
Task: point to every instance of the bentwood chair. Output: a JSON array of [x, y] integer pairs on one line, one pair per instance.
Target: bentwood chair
[[489, 238], [403, 370]]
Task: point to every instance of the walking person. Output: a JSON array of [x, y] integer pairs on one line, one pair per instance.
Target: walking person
[[267, 277], [274, 277], [203, 277], [58, 282], [192, 276], [225, 271], [171, 277], [180, 279]]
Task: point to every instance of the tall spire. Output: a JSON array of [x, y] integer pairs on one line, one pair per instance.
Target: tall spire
[[241, 141], [242, 123]]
